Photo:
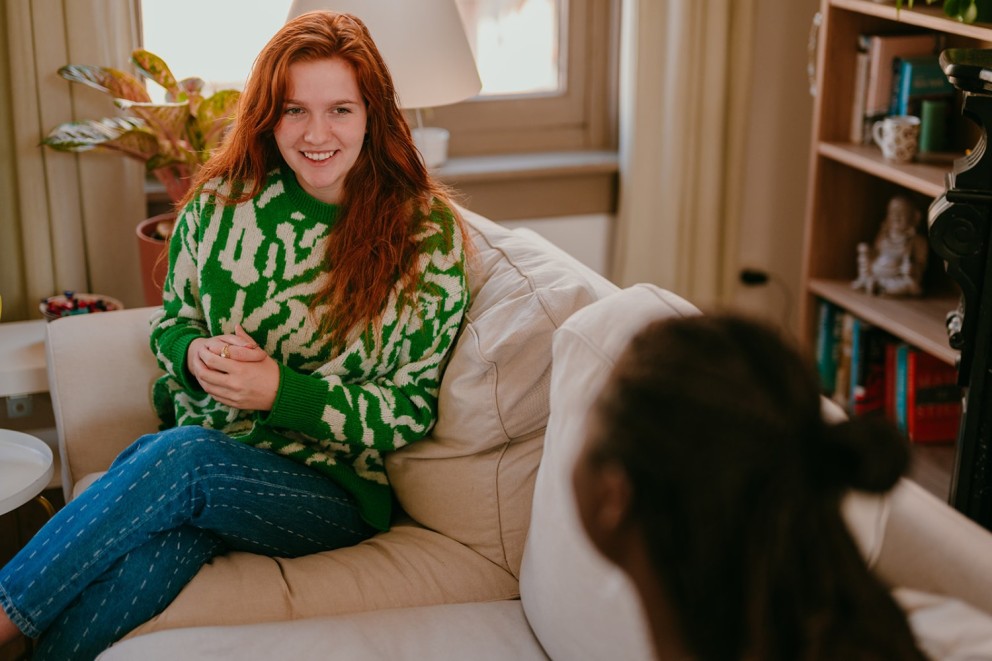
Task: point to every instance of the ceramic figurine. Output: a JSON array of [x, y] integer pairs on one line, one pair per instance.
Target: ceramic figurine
[[894, 264]]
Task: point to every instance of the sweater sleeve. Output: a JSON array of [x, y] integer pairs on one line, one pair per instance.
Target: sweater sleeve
[[399, 406], [181, 319]]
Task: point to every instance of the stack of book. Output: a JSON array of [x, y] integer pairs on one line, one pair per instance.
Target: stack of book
[[868, 371], [894, 73]]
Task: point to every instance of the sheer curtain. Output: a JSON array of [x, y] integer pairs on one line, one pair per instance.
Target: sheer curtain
[[67, 221], [685, 70]]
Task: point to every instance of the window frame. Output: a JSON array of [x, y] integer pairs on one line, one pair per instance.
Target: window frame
[[581, 117]]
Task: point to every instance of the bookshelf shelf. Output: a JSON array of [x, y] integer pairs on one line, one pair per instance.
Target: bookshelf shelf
[[922, 16], [918, 321], [919, 177]]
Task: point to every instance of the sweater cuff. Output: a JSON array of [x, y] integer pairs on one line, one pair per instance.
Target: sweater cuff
[[177, 354], [299, 403]]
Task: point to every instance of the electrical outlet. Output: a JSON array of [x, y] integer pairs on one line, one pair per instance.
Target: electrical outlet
[[753, 277], [19, 406]]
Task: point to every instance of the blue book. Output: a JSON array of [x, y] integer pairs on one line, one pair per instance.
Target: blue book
[[915, 79], [902, 352], [827, 346]]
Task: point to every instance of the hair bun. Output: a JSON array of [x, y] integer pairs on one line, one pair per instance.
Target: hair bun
[[866, 453]]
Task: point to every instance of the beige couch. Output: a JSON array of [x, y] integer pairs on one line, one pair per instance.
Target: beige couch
[[490, 562]]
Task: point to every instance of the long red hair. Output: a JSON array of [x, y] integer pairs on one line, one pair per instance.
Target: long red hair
[[388, 191]]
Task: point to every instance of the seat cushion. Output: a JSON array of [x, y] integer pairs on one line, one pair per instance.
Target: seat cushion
[[473, 479], [492, 631], [407, 566]]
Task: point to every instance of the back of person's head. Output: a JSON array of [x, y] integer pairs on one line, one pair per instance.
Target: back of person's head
[[736, 482]]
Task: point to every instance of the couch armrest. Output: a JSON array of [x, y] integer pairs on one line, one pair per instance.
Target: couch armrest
[[931, 547], [100, 373]]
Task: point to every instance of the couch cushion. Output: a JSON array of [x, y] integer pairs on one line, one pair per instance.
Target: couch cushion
[[493, 631], [407, 566], [473, 480], [578, 604]]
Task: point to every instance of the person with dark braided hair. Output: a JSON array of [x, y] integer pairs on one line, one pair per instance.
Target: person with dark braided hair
[[711, 478]]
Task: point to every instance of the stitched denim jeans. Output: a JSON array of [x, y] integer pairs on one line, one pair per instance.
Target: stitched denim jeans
[[119, 553]]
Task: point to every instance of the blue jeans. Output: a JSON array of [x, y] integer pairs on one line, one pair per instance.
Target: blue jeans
[[119, 553]]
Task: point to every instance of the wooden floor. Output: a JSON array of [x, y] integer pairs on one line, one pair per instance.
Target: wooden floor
[[932, 467]]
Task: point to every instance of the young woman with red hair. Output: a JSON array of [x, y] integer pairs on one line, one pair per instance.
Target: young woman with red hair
[[316, 285]]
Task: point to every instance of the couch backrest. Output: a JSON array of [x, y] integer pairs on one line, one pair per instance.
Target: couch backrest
[[580, 606], [473, 480]]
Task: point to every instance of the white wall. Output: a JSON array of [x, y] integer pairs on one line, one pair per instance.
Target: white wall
[[781, 108], [586, 237]]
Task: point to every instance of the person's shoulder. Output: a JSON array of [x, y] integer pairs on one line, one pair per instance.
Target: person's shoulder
[[440, 227]]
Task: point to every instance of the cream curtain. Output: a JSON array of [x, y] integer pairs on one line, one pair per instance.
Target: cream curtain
[[685, 70], [67, 221]]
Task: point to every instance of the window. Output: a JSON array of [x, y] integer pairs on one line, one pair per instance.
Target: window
[[574, 106], [223, 54], [547, 65], [517, 44]]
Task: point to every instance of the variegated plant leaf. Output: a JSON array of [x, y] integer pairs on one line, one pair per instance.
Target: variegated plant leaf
[[214, 117], [190, 89], [127, 135], [114, 82], [166, 119], [152, 66]]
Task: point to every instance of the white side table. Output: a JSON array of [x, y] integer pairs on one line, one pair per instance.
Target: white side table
[[26, 466]]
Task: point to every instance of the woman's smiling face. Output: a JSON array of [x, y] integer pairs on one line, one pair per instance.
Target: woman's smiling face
[[322, 128]]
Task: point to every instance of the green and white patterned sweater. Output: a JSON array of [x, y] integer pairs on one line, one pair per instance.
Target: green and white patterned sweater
[[259, 264]]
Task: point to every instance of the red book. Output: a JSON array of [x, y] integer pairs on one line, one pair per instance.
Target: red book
[[933, 399]]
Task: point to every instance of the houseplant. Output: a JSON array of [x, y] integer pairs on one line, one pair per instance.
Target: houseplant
[[172, 138]]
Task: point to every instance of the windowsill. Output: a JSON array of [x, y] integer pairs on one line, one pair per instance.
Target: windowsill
[[513, 186], [535, 185]]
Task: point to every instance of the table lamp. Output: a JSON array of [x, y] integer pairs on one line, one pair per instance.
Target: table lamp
[[425, 47]]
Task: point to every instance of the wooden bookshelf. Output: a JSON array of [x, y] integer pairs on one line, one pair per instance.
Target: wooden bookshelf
[[851, 184]]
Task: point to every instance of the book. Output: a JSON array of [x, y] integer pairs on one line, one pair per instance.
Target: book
[[882, 51], [915, 79], [842, 377], [901, 354], [858, 133], [933, 399], [827, 345], [867, 369], [892, 392]]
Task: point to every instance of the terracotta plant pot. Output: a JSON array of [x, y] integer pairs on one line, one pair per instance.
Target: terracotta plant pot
[[154, 258]]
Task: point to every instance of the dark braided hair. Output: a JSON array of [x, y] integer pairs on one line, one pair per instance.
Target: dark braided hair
[[737, 482]]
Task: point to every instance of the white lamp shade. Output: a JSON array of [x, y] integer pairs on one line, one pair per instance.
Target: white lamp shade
[[423, 43]]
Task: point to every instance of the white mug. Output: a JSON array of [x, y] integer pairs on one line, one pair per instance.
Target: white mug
[[898, 136]]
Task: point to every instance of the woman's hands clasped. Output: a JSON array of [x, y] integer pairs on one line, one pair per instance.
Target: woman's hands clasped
[[234, 370]]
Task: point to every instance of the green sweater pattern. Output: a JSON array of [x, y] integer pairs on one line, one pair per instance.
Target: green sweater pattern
[[259, 264]]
